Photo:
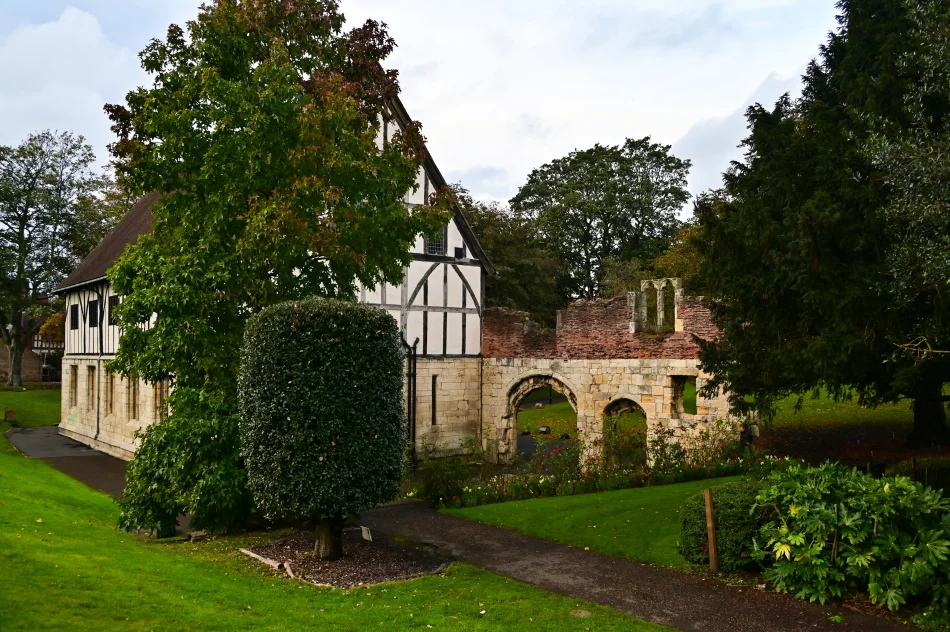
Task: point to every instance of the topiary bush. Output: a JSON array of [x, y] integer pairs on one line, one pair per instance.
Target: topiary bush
[[321, 412], [736, 525]]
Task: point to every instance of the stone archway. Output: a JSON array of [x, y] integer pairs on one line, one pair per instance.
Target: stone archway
[[519, 388]]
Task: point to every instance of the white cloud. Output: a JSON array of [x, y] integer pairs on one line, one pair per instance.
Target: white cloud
[[59, 75], [501, 87]]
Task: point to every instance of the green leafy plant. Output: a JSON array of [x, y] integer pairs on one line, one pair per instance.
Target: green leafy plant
[[834, 531], [737, 523], [321, 412]]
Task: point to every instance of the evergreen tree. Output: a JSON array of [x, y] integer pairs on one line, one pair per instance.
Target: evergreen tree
[[796, 246]]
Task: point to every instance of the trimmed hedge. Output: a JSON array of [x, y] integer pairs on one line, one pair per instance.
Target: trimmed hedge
[[736, 525], [321, 402]]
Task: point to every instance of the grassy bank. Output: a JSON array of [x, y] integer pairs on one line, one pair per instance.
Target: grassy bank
[[33, 407], [67, 567], [639, 524]]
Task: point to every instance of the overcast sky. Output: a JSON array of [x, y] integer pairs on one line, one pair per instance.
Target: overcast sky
[[500, 86]]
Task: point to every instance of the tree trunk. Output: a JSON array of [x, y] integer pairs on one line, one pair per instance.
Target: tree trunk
[[16, 363], [930, 418], [329, 544]]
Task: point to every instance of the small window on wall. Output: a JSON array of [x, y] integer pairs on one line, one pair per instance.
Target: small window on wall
[[435, 244], [113, 317], [133, 392], [161, 396], [435, 389], [110, 393], [73, 385], [93, 314], [74, 316], [90, 388], [684, 394]]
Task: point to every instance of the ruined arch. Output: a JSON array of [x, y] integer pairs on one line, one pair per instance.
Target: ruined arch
[[517, 389]]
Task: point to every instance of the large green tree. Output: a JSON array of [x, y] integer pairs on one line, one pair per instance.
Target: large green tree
[[604, 202], [797, 245], [260, 133], [916, 167], [43, 184]]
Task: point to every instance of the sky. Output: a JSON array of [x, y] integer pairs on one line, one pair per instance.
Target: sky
[[501, 87]]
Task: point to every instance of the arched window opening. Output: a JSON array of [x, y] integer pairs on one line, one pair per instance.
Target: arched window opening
[[668, 323], [624, 434]]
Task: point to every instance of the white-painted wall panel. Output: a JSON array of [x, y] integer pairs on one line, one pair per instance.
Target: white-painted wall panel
[[454, 337]]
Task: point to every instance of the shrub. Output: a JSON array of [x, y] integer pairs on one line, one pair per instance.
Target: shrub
[[204, 478], [322, 420], [835, 531], [441, 481], [737, 524]]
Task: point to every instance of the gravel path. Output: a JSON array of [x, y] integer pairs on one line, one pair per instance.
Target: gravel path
[[668, 597]]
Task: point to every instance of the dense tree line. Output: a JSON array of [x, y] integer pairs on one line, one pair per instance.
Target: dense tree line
[[588, 225], [54, 208]]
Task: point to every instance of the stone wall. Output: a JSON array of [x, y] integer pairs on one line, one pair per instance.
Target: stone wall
[[457, 403], [86, 414], [592, 385], [599, 357]]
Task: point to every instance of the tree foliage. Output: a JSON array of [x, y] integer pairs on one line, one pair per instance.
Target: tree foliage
[[322, 419], [43, 182], [260, 132], [916, 168], [603, 202], [796, 247], [527, 270]]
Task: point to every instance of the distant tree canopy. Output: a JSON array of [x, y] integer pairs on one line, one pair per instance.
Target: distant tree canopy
[[607, 202], [260, 131], [50, 204], [802, 247], [527, 270]]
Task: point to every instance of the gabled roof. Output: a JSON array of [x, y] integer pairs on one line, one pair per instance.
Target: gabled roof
[[436, 176], [136, 222]]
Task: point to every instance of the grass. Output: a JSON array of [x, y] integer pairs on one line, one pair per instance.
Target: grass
[[67, 567], [33, 407], [824, 412], [639, 524]]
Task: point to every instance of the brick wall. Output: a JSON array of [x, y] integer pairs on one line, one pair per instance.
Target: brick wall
[[598, 329], [31, 368]]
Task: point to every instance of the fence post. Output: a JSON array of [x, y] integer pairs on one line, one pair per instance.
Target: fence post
[[711, 531]]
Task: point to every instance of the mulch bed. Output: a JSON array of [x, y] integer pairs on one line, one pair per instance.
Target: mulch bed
[[364, 563]]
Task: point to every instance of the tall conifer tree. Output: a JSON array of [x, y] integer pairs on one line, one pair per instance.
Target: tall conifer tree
[[796, 245]]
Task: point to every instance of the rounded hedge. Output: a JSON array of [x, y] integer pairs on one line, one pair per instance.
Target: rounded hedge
[[321, 402], [736, 525]]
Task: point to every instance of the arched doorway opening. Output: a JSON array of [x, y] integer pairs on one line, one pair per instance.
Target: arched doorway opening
[[542, 408], [624, 433]]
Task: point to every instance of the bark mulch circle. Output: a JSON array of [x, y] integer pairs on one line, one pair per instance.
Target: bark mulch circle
[[364, 563]]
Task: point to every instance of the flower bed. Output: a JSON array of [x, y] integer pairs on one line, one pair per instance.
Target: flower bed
[[557, 469]]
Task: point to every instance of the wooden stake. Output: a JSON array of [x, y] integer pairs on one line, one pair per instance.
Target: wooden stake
[[711, 532]]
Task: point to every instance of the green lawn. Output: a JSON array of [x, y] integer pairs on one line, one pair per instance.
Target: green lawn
[[563, 420], [824, 412], [67, 567], [640, 524], [33, 407]]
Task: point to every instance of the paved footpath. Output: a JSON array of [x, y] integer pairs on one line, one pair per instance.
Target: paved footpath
[[668, 597], [97, 470]]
